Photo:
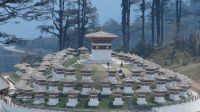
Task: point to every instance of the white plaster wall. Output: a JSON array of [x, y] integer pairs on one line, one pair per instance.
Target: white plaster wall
[[93, 102], [66, 89], [174, 97], [38, 101], [183, 94], [53, 88], [72, 77], [141, 101], [113, 80], [72, 102], [85, 91], [101, 55], [162, 86], [118, 101], [52, 101], [106, 91], [159, 99], [128, 90]]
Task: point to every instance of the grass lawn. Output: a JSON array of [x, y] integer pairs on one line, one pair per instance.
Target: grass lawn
[[14, 78], [62, 102], [71, 61], [190, 70], [83, 102], [106, 102]]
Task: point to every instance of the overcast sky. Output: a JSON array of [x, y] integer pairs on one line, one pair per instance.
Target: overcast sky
[[25, 29]]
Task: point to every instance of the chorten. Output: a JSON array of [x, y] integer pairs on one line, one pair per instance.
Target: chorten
[[101, 46]]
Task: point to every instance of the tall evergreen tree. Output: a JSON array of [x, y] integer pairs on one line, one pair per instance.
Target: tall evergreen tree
[[126, 5], [86, 14], [153, 22], [143, 19], [178, 18]]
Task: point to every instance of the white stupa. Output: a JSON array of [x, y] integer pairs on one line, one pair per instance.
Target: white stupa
[[106, 87], [86, 86], [72, 98], [58, 71], [53, 97], [94, 101], [70, 73], [86, 73], [118, 95], [67, 85], [142, 93], [112, 72], [159, 95], [39, 96], [174, 92], [101, 46], [128, 86]]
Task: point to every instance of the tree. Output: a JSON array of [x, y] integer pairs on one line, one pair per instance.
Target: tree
[[178, 18], [86, 15], [11, 9], [62, 17], [126, 5], [143, 19], [153, 22]]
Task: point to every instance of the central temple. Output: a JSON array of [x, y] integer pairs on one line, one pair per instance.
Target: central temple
[[101, 46]]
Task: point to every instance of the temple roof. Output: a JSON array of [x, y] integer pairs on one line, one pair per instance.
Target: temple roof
[[58, 66], [52, 92], [94, 91], [70, 68], [118, 90], [86, 70], [136, 70], [142, 90], [3, 84], [161, 77], [127, 79], [70, 49], [21, 85], [101, 34], [73, 92], [39, 91], [82, 48]]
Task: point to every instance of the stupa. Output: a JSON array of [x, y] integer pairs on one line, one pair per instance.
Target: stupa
[[101, 46]]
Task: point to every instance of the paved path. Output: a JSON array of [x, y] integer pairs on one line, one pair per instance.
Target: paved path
[[185, 107]]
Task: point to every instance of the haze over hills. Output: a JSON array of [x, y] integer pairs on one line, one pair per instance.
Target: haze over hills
[[107, 9]]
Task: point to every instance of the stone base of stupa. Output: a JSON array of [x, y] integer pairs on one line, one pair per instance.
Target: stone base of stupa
[[128, 90], [38, 101], [141, 101], [183, 94], [52, 101], [73, 77], [106, 91], [113, 80], [66, 89], [159, 99], [174, 97], [72, 102], [93, 102], [118, 102], [85, 91]]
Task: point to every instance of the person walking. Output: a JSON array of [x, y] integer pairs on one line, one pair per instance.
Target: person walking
[[108, 65]]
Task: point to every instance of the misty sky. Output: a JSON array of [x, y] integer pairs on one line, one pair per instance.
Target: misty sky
[[25, 29]]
